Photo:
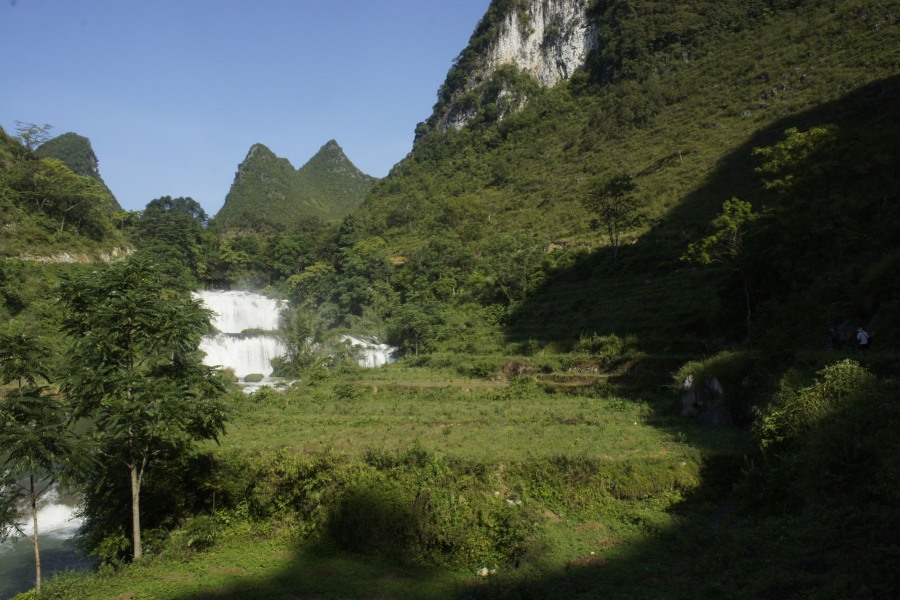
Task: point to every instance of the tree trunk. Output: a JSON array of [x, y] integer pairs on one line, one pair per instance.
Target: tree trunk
[[37, 554], [136, 512], [747, 295]]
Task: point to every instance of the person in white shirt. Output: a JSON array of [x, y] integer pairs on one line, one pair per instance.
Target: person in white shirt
[[863, 338]]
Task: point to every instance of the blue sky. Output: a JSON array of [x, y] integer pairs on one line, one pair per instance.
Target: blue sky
[[172, 94]]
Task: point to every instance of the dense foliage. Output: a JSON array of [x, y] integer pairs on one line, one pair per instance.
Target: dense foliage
[[328, 186], [75, 152], [45, 207]]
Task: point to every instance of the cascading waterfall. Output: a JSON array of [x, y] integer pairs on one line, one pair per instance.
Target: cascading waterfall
[[373, 355], [243, 318], [237, 312]]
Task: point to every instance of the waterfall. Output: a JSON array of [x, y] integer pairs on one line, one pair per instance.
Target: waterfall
[[235, 313], [248, 353], [57, 523], [373, 355], [245, 354]]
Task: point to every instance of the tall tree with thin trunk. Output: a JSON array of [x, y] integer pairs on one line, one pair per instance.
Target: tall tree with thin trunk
[[611, 201], [33, 433], [726, 242], [134, 368]]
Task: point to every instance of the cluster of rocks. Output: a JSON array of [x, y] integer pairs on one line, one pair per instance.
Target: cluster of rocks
[[704, 402]]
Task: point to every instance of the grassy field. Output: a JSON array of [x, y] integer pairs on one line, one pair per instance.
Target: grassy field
[[475, 420], [408, 483]]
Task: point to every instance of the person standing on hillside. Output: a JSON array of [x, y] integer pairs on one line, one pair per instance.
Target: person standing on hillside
[[863, 338]]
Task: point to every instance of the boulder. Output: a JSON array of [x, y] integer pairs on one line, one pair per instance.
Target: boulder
[[713, 388], [715, 416], [690, 399]]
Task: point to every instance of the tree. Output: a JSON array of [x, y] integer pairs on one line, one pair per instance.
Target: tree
[[134, 368], [33, 433], [611, 200], [726, 243], [171, 231], [415, 323], [32, 135]]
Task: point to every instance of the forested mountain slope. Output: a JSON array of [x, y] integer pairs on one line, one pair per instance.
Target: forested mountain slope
[[699, 103], [75, 152], [328, 186], [46, 209]]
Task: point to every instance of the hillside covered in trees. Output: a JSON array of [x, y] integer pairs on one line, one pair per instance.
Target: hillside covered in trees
[[625, 307], [327, 187], [75, 152]]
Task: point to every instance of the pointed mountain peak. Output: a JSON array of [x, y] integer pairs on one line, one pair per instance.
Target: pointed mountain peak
[[75, 152], [328, 185]]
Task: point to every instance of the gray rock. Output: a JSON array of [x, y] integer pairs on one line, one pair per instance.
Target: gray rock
[[715, 416], [714, 388], [690, 400]]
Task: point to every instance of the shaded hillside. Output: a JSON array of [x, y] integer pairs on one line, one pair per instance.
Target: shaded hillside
[[328, 186], [75, 152], [688, 134]]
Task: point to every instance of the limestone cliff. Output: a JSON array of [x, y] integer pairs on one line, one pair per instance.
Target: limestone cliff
[[547, 40]]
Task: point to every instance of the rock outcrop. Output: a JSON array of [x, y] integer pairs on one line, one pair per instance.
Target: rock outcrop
[[548, 40], [704, 401], [80, 257]]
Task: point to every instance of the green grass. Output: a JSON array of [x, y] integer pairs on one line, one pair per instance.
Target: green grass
[[474, 420], [595, 491]]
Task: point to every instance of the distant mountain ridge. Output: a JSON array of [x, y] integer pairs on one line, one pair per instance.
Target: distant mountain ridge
[[75, 152], [328, 186]]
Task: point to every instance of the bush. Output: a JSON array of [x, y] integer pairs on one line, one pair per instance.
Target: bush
[[830, 442]]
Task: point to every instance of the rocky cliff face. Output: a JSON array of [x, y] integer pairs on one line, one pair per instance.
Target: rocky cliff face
[[548, 40], [550, 46]]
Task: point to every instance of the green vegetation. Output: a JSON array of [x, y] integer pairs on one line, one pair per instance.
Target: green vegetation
[[552, 488], [133, 369], [46, 208], [75, 152], [268, 187], [531, 433], [33, 437]]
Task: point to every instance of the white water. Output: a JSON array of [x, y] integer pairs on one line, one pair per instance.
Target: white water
[[373, 355], [245, 354], [253, 353], [57, 524], [236, 312]]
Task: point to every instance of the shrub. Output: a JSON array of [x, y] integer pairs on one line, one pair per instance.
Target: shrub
[[830, 442]]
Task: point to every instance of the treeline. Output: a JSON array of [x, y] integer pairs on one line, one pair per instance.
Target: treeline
[[44, 206]]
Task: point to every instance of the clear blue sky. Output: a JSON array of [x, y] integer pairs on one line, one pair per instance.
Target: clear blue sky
[[172, 94]]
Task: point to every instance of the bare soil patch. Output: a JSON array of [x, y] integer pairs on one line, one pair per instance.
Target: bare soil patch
[[228, 571], [587, 562]]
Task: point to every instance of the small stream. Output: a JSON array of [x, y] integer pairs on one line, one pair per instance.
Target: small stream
[[57, 525]]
